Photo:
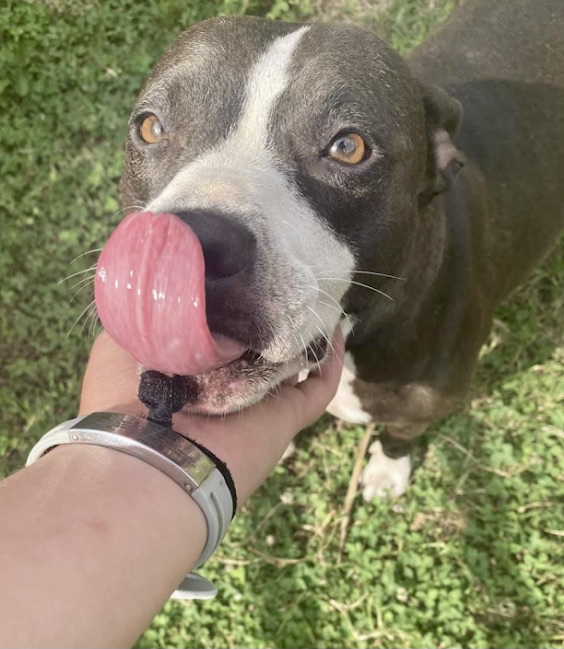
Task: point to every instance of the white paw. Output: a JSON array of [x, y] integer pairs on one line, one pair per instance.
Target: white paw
[[383, 476]]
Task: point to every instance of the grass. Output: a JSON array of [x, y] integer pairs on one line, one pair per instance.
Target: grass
[[471, 556]]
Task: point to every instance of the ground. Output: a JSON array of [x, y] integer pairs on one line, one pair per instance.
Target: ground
[[471, 556]]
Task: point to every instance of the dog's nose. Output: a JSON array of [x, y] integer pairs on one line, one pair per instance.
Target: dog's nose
[[229, 247]]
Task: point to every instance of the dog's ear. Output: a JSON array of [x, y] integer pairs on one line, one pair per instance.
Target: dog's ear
[[442, 116]]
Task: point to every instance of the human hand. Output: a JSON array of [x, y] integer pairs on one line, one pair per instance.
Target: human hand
[[250, 442]]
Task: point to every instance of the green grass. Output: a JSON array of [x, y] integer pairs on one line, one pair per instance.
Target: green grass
[[471, 556]]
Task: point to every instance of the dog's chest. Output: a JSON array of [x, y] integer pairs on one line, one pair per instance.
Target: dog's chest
[[346, 405]]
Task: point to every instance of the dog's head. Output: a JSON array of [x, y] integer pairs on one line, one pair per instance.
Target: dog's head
[[300, 156]]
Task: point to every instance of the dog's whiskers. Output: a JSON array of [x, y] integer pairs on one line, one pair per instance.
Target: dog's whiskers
[[351, 281], [295, 336], [306, 352], [298, 344], [88, 252], [129, 207], [261, 342], [75, 294], [91, 313], [339, 307], [330, 306], [86, 308], [316, 359], [79, 272], [369, 272], [324, 333], [94, 324], [95, 250], [309, 308], [84, 280]]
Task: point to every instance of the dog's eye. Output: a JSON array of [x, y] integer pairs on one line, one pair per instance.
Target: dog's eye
[[151, 130], [349, 149]]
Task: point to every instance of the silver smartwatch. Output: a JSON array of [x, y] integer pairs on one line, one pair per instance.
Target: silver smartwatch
[[194, 469]]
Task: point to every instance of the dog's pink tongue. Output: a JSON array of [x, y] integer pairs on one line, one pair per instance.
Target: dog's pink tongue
[[150, 296]]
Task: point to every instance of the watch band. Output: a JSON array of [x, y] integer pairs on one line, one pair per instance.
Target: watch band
[[193, 470]]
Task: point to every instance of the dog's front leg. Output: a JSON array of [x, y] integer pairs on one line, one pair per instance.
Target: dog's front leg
[[389, 468], [407, 411]]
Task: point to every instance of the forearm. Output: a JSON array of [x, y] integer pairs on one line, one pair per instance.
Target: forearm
[[102, 541]]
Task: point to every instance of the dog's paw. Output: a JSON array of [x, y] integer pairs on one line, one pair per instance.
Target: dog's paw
[[383, 476]]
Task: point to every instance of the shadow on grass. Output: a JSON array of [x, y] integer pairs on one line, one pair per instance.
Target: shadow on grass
[[495, 544], [500, 475], [464, 530], [528, 326]]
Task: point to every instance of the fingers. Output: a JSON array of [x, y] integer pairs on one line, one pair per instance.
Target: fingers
[[319, 388], [111, 379], [296, 406], [252, 442], [305, 402]]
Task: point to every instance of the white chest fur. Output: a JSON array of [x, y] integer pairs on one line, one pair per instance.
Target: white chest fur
[[346, 405], [383, 477]]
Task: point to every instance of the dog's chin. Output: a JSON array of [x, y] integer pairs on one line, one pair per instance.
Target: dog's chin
[[238, 385], [245, 381]]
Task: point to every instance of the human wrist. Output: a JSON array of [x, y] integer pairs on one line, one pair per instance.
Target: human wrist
[[121, 480], [196, 471], [209, 432], [102, 531]]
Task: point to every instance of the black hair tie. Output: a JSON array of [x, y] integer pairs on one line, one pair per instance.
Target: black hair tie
[[164, 395]]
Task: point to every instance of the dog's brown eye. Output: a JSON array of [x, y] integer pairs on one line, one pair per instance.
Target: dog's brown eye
[[151, 130], [349, 149]]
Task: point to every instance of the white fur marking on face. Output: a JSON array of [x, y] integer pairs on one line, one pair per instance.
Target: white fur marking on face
[[230, 174], [345, 404], [268, 80], [383, 476], [241, 176]]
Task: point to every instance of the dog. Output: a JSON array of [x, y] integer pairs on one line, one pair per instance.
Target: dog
[[333, 183]]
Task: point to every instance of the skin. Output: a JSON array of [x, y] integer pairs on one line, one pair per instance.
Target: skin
[[83, 556], [256, 437]]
